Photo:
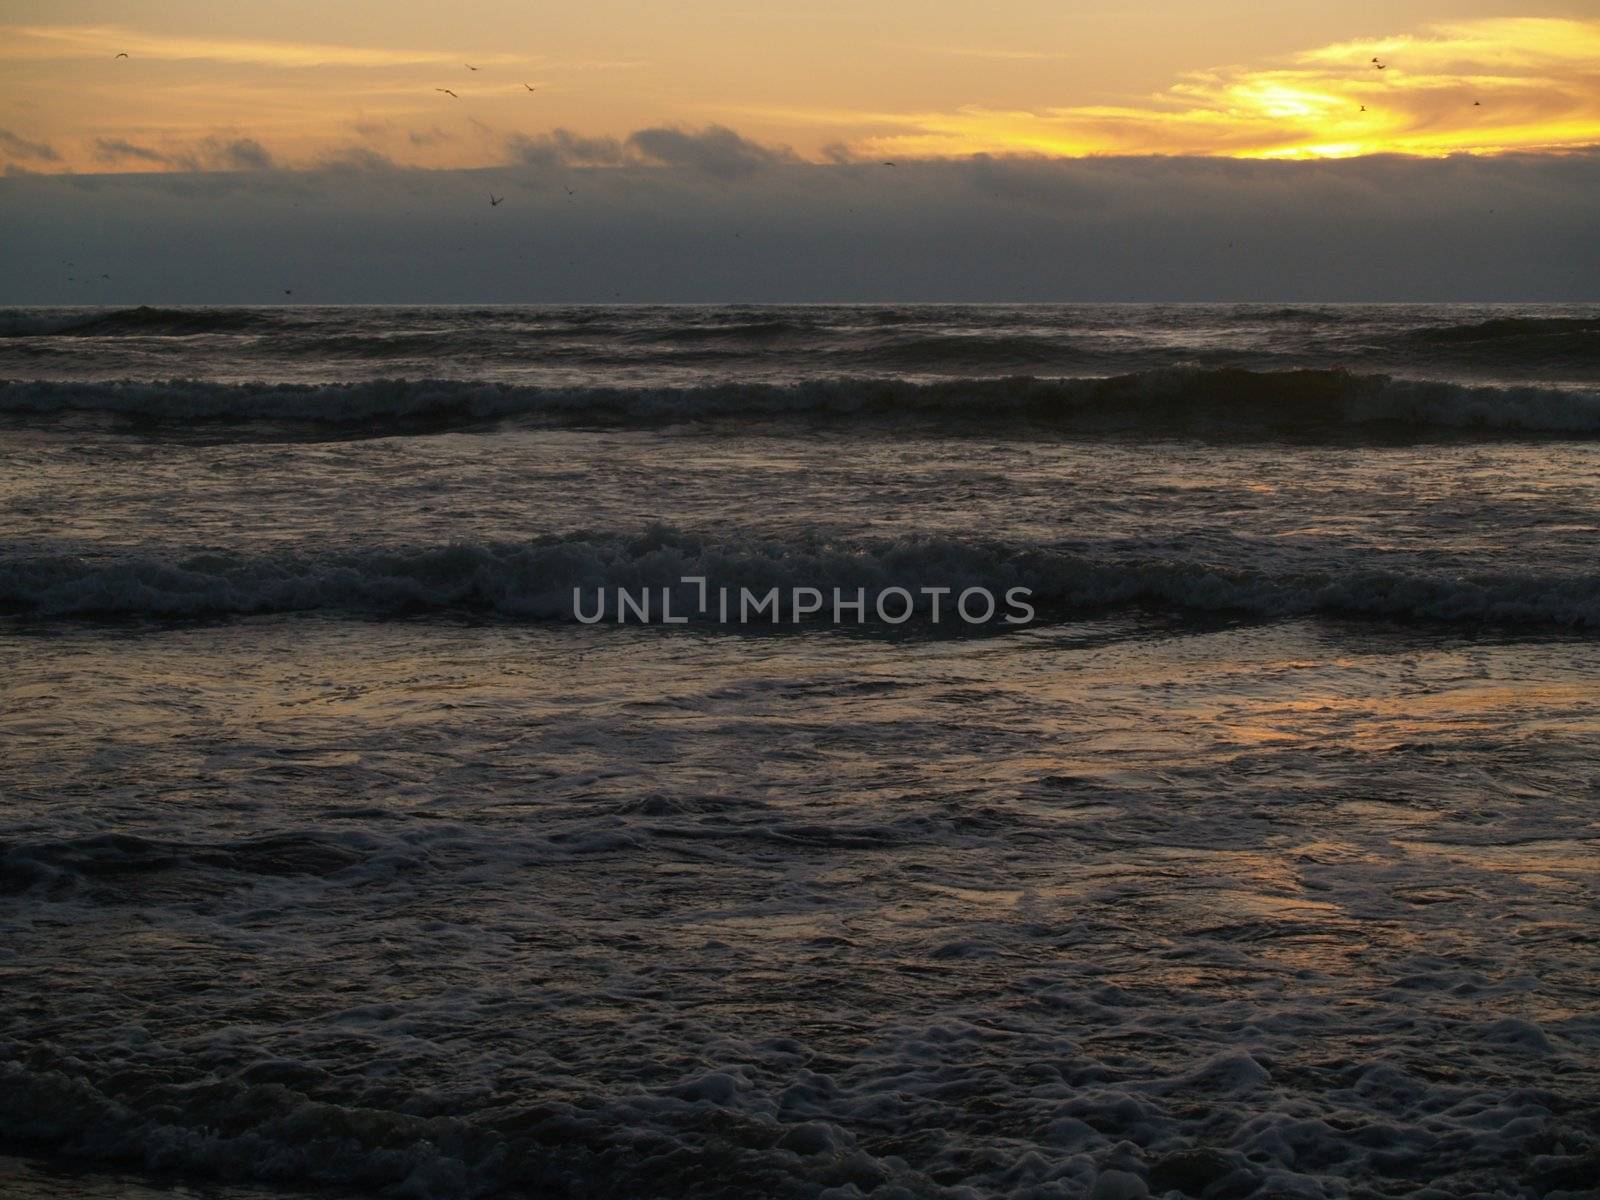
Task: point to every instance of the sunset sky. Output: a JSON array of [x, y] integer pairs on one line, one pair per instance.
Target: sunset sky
[[298, 83], [713, 149]]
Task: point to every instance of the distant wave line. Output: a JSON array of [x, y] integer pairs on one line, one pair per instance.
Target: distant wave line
[[1290, 401]]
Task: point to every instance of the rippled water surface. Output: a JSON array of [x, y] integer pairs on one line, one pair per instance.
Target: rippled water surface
[[337, 858]]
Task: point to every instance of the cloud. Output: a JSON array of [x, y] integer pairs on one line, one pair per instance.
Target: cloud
[[120, 150], [100, 41], [1508, 227], [716, 150], [20, 147], [357, 158], [217, 153], [563, 148], [236, 154], [1480, 86], [1485, 86]]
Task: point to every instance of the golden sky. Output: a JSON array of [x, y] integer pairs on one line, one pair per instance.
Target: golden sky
[[242, 84]]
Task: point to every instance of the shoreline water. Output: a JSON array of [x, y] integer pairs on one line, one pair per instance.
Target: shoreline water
[[334, 856]]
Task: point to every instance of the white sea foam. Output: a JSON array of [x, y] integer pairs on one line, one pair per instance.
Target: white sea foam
[[487, 902]]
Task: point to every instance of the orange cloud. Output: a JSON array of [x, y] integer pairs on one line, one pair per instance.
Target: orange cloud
[[56, 42], [1478, 86], [1482, 86]]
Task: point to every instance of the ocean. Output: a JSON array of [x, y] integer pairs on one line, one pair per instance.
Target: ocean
[[358, 839]]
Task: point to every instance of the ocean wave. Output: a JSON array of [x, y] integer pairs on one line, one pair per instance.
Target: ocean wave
[[935, 353], [1536, 344], [1289, 315], [537, 580], [758, 331], [1302, 400], [425, 343], [1502, 328], [37, 324], [143, 321]]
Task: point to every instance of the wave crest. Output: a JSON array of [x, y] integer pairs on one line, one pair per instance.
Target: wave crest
[[143, 320], [536, 580], [1500, 328], [1525, 343], [1303, 400]]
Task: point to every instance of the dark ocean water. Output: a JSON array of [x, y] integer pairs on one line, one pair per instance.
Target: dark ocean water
[[337, 851]]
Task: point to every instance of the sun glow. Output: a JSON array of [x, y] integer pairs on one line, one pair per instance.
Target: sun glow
[[1482, 86], [1486, 86]]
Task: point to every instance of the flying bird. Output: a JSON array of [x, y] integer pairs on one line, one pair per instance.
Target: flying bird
[[448, 92], [1363, 108], [1477, 104], [288, 291], [123, 54], [494, 203], [530, 87], [888, 164], [469, 66]]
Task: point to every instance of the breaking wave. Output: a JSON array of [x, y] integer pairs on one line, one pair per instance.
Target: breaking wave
[[1528, 343], [1503, 328], [1293, 401], [535, 580], [144, 320]]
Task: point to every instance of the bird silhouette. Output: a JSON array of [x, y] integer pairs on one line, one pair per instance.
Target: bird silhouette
[[494, 203], [123, 54], [288, 291], [888, 164], [1363, 108], [448, 92], [1477, 104], [530, 87], [469, 66]]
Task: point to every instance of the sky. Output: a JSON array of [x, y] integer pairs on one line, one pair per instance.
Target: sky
[[727, 149]]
